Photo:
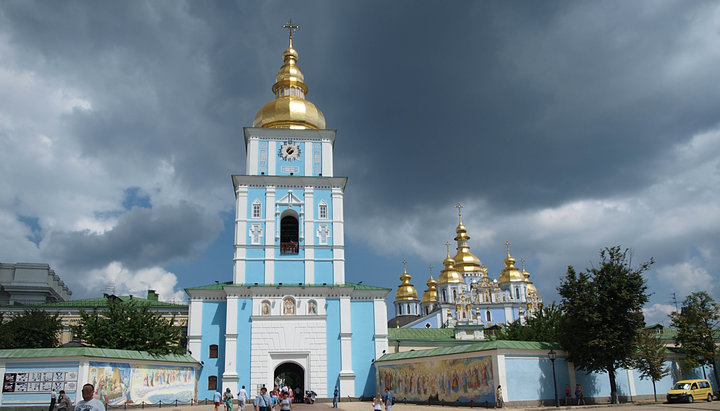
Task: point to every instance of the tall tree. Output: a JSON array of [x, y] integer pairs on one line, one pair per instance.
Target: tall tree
[[602, 313], [130, 325], [33, 328], [544, 326], [695, 322], [650, 357]]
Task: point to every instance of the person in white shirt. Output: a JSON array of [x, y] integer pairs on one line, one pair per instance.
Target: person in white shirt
[[216, 399], [88, 403], [242, 398]]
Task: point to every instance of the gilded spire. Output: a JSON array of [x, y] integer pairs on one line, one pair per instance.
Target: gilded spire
[[406, 291], [430, 295], [510, 273], [530, 286], [465, 261], [290, 109]]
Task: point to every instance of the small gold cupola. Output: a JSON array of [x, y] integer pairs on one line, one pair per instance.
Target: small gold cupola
[[290, 109], [406, 291], [465, 261], [449, 275], [510, 273], [430, 295], [531, 290]]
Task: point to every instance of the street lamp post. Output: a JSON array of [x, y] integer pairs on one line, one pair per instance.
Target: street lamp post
[[552, 355]]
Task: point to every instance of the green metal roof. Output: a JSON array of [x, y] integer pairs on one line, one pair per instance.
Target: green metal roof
[[421, 334], [220, 286], [470, 347], [101, 302], [108, 353]]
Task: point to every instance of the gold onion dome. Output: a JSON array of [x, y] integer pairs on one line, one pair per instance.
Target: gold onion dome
[[530, 286], [510, 273], [406, 291], [449, 275], [430, 295], [464, 259], [290, 109]]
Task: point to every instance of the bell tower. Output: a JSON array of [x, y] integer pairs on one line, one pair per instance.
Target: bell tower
[[289, 206]]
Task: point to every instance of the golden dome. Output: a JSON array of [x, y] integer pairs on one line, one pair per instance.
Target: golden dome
[[510, 273], [531, 290], [430, 295], [465, 261], [449, 275], [406, 291], [290, 109]]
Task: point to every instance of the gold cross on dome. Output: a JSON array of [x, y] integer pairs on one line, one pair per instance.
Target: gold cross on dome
[[404, 263], [459, 207], [430, 267], [447, 245], [290, 27], [522, 261], [507, 245]]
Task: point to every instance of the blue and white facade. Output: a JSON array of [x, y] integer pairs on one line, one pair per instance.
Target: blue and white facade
[[288, 310]]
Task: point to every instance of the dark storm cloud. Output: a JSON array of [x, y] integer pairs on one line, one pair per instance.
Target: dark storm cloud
[[143, 237]]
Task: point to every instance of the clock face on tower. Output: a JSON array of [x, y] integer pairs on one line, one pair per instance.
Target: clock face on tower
[[290, 152]]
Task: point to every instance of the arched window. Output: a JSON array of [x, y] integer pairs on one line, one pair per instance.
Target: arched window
[[213, 351], [454, 295], [517, 293], [288, 306], [322, 210], [212, 382], [400, 308], [444, 295], [289, 235], [488, 316]]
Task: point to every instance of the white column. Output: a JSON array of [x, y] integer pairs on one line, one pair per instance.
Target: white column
[[239, 259], [501, 374], [83, 377], [347, 375], [631, 383], [195, 328], [338, 236], [270, 234], [327, 159], [251, 159], [230, 376], [508, 315], [381, 330], [310, 215]]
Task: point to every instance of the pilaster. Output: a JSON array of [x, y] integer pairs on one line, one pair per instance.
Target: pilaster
[[347, 375], [270, 224], [338, 233], [195, 328], [241, 193]]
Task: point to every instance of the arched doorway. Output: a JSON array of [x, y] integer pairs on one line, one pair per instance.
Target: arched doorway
[[294, 377], [289, 235]]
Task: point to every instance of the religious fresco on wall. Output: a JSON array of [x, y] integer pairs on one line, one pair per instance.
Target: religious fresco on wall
[[457, 380], [134, 384]]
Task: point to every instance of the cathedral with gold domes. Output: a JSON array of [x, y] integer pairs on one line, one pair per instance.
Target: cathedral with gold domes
[[464, 294]]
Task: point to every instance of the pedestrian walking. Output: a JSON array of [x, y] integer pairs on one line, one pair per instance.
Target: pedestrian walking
[[262, 402], [216, 399], [568, 395], [498, 397], [228, 399], [335, 397], [88, 403], [53, 399], [579, 394], [388, 399], [377, 403], [63, 402], [242, 398], [285, 402]]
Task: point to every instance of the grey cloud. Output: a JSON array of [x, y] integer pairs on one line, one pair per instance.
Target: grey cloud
[[142, 238]]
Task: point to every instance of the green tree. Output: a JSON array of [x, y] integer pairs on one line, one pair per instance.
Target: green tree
[[650, 357], [544, 326], [130, 325], [602, 313], [695, 322], [33, 328]]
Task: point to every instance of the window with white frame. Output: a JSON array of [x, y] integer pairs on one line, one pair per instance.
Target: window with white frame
[[256, 209], [322, 210]]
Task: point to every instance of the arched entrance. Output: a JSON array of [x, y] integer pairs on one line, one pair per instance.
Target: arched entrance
[[294, 377]]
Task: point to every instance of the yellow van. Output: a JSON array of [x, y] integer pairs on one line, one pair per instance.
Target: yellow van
[[690, 390]]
